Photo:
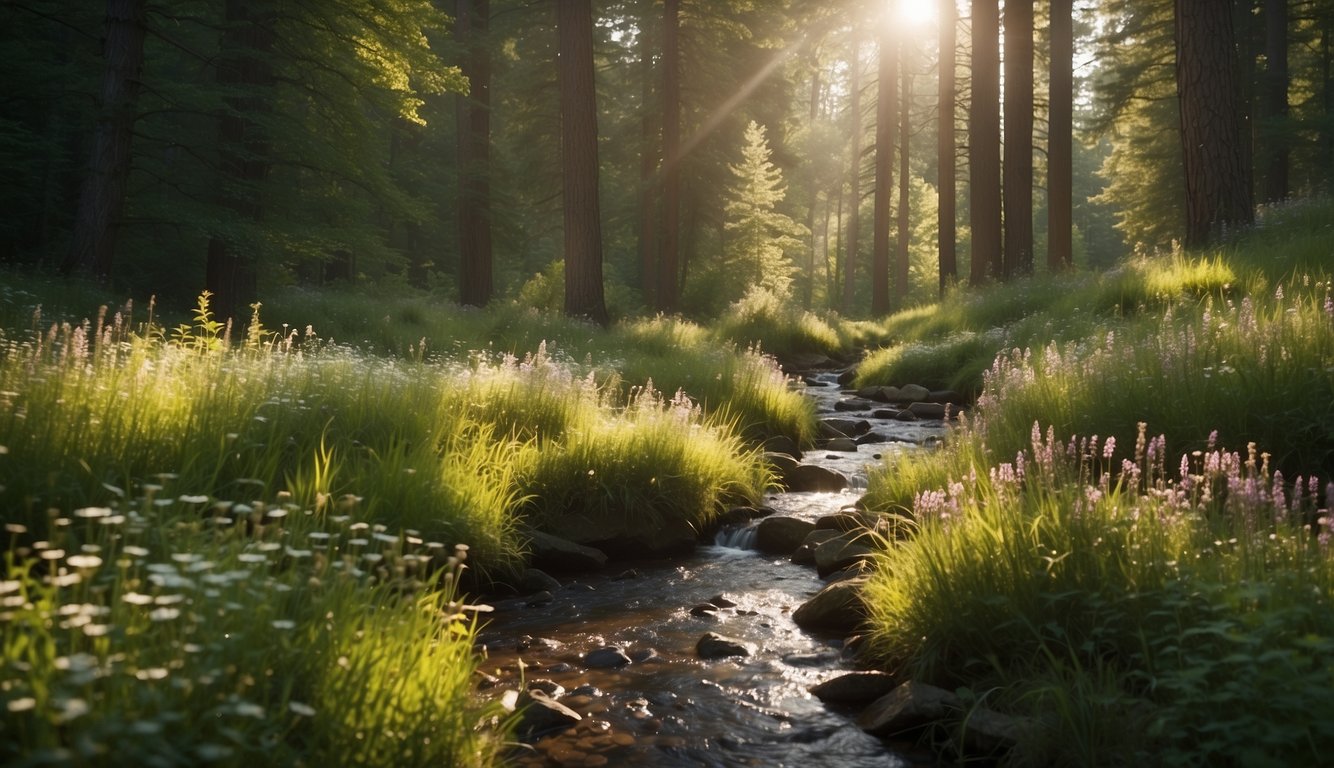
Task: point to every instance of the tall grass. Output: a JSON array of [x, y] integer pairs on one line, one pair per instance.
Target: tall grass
[[1136, 607]]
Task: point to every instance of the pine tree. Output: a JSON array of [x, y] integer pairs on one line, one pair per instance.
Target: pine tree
[[760, 235]]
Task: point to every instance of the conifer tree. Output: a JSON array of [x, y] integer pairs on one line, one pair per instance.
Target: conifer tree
[[760, 235]]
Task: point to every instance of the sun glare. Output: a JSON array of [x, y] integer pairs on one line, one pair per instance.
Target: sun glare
[[916, 13]]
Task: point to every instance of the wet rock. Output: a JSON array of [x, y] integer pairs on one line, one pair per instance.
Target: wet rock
[[913, 393], [645, 655], [905, 415], [536, 580], [907, 708], [853, 571], [855, 688], [841, 445], [946, 396], [838, 607], [739, 515], [781, 462], [804, 554], [529, 643], [872, 437], [629, 573], [854, 405], [542, 714], [809, 477], [722, 601], [485, 682], [840, 521], [538, 599], [842, 552], [550, 687], [879, 394], [783, 444], [885, 413], [811, 659], [925, 410], [831, 428], [716, 646], [554, 553], [847, 376], [629, 538], [781, 535], [705, 611], [608, 657]]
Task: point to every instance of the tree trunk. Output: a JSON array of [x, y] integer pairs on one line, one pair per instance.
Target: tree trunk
[[473, 116], [1326, 149], [905, 131], [102, 195], [984, 172], [243, 69], [1017, 258], [855, 176], [1274, 101], [884, 167], [669, 260], [579, 162], [1218, 181], [945, 159], [648, 165], [1060, 139]]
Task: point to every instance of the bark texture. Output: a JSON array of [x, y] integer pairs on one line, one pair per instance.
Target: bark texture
[[1060, 135], [984, 172], [473, 118], [945, 159], [1017, 258]]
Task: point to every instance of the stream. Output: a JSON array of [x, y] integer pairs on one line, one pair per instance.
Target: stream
[[669, 707]]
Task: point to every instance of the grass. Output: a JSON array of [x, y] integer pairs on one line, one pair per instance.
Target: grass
[[1152, 593], [237, 548]]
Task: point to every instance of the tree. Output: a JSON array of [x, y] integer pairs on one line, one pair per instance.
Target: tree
[[102, 198], [984, 171], [1017, 257], [884, 166], [1218, 181], [905, 174], [945, 160], [649, 132], [1273, 131], [1060, 138], [669, 258], [473, 141], [855, 174], [760, 234], [245, 74], [579, 162]]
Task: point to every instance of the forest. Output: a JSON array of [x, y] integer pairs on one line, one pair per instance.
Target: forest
[[368, 366]]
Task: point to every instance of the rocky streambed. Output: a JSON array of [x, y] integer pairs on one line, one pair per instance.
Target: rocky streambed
[[741, 653]]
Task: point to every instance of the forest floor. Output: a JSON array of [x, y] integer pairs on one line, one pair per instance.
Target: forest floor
[[223, 546]]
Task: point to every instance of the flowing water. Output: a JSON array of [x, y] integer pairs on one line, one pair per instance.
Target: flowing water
[[668, 707]]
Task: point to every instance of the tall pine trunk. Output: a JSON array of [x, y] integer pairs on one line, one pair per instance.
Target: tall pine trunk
[[669, 259], [1017, 258], [648, 166], [102, 195], [245, 73], [473, 117], [887, 83], [1060, 138], [1218, 180], [579, 162], [855, 175], [984, 171], [1274, 101], [902, 223], [945, 158]]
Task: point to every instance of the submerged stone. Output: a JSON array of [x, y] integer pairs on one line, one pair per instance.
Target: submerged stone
[[716, 646]]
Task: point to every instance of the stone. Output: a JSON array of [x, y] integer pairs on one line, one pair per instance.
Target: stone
[[781, 535], [872, 437], [536, 580], [608, 657], [783, 444], [842, 552], [550, 687], [946, 396], [804, 554], [885, 414], [629, 537], [705, 611], [722, 601], [908, 708], [805, 361], [834, 427], [715, 646], [554, 553], [539, 599], [543, 714], [855, 688], [840, 521], [924, 410], [838, 607], [905, 415], [528, 643], [781, 462], [809, 477], [841, 445], [854, 405], [847, 376], [913, 393]]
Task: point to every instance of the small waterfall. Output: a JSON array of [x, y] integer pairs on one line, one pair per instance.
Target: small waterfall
[[736, 537]]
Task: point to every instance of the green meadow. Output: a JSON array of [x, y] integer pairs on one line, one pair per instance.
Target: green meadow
[[269, 542]]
